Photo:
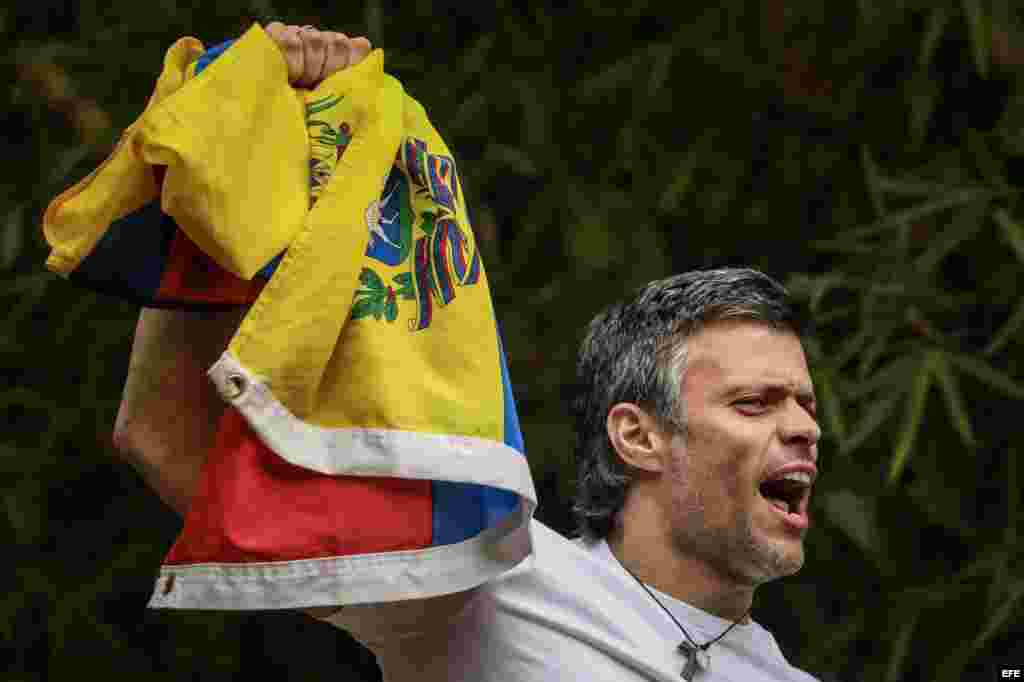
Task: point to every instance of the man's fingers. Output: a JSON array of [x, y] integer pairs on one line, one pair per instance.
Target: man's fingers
[[337, 53], [313, 55], [314, 45], [290, 44], [359, 48]]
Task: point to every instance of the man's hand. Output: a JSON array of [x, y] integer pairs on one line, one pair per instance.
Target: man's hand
[[313, 55]]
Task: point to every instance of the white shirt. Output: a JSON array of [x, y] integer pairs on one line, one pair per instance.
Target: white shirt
[[571, 612]]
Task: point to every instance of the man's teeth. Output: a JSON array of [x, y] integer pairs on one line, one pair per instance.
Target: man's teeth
[[798, 476]]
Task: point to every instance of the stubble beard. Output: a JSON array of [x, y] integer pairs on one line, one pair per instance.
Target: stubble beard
[[736, 552]]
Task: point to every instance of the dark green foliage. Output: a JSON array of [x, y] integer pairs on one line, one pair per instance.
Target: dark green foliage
[[870, 154]]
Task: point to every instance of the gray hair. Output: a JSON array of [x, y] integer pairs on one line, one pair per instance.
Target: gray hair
[[635, 352]]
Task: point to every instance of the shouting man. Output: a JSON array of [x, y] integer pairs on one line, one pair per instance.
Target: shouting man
[[697, 451]]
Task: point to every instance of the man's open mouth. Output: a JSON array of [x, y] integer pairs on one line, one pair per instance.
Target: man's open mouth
[[788, 492]]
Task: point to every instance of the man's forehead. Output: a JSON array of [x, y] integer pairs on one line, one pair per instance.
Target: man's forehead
[[738, 354]]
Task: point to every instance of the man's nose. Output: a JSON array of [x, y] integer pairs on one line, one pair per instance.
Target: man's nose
[[798, 425]]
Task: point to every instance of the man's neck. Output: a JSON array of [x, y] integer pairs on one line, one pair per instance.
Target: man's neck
[[685, 578]]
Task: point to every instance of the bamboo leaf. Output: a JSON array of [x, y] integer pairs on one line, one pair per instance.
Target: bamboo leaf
[[914, 187], [12, 237], [511, 156], [893, 376], [855, 516], [673, 194], [1011, 231], [474, 60], [912, 417], [981, 34], [954, 402], [831, 405], [985, 161], [923, 94], [936, 24], [959, 197], [964, 226], [374, 17], [1012, 497], [1001, 616], [986, 374], [872, 177], [873, 417], [850, 348], [660, 69], [901, 644], [621, 73], [1008, 330]]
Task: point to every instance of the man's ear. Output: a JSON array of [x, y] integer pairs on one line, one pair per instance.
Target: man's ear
[[637, 437]]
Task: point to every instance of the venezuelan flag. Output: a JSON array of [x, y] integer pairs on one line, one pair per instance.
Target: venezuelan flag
[[371, 449]]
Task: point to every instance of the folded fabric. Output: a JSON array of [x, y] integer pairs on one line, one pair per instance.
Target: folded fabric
[[371, 449]]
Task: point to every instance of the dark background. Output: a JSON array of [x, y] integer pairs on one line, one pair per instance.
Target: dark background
[[869, 154]]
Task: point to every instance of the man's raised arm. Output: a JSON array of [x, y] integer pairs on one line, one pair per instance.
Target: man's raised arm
[[170, 410]]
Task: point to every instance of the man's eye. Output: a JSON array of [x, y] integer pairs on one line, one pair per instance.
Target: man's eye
[[751, 404]]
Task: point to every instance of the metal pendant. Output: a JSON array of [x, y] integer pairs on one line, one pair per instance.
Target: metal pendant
[[697, 659]]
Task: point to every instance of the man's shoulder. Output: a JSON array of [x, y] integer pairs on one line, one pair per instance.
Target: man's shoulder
[[553, 554]]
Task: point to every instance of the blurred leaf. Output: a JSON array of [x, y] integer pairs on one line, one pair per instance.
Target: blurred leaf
[[513, 157], [872, 179], [1001, 616], [980, 33], [474, 60], [912, 187], [831, 405], [1011, 231], [373, 16], [962, 227], [855, 516], [590, 239], [619, 74], [923, 95], [936, 24], [470, 109], [1008, 330], [660, 69], [987, 164], [954, 402], [536, 117], [853, 237], [988, 375], [913, 416], [12, 237], [1012, 497], [872, 418], [850, 347], [909, 616], [894, 376], [673, 195]]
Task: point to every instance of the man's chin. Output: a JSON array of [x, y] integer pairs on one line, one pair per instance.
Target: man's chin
[[778, 556]]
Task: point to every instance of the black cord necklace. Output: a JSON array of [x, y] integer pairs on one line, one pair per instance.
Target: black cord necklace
[[697, 656]]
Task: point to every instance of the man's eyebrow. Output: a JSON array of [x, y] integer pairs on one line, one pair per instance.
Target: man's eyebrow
[[803, 393]]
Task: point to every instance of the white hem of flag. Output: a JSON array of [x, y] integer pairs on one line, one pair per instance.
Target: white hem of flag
[[361, 578], [348, 580]]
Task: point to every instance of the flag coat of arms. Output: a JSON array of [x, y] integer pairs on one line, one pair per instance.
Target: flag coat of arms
[[371, 450]]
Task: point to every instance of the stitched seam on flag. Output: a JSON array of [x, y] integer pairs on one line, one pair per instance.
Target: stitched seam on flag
[[368, 451], [353, 580]]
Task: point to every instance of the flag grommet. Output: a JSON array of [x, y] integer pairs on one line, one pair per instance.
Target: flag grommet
[[235, 386]]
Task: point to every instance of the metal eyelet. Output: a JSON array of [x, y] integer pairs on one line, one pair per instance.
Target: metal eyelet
[[235, 386]]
